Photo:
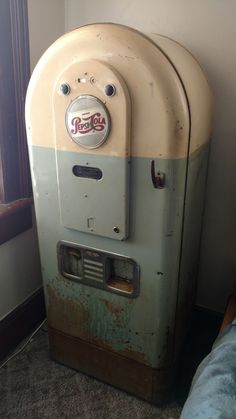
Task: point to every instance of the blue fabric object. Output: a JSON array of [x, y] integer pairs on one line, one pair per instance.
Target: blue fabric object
[[213, 391]]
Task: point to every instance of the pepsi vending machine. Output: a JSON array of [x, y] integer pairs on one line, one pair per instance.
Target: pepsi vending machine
[[118, 127]]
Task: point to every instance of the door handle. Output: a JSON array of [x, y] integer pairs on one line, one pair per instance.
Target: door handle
[[158, 178]]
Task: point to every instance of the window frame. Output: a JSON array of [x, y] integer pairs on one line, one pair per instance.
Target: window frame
[[15, 181]]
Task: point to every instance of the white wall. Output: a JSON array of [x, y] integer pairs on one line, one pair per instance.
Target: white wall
[[20, 273], [208, 29], [46, 24], [20, 270]]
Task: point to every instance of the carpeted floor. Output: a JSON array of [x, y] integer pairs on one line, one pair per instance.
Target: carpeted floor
[[34, 387]]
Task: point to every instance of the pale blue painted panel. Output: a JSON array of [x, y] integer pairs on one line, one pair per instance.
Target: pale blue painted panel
[[146, 324]]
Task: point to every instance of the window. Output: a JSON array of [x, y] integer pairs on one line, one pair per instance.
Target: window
[[15, 183]]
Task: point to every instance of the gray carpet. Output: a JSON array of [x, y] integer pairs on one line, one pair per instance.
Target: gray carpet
[[34, 387]]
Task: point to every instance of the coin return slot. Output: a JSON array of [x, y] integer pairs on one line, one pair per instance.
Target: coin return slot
[[121, 275]]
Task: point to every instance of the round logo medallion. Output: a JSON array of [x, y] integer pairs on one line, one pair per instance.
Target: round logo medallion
[[88, 121]]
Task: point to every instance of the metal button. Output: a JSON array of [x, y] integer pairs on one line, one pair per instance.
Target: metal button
[[109, 90], [65, 89]]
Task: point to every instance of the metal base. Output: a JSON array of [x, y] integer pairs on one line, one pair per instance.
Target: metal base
[[153, 385]]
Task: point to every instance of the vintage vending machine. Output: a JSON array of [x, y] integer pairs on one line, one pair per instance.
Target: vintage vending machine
[[118, 127]]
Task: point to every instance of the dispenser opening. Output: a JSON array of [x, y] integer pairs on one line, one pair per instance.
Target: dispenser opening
[[122, 275]]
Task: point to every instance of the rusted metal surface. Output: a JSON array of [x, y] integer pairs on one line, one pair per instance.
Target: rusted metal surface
[[128, 374], [128, 353], [114, 309], [122, 285], [74, 318], [68, 316]]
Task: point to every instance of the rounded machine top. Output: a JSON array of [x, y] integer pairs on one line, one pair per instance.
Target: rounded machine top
[[170, 98]]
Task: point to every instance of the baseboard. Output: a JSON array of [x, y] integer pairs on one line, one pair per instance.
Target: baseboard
[[21, 322]]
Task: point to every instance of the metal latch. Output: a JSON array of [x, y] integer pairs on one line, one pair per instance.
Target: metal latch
[[158, 178]]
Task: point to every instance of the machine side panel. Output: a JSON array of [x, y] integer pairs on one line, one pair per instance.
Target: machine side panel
[[193, 214], [196, 87]]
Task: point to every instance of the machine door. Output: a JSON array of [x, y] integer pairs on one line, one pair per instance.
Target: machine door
[[92, 132]]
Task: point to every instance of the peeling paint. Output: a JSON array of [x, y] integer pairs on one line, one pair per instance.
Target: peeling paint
[[75, 319], [113, 309], [66, 315], [127, 352]]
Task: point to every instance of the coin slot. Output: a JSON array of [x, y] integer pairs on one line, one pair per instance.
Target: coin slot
[[87, 172]]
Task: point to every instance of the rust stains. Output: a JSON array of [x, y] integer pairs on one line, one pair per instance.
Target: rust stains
[[66, 315], [137, 356], [73, 319], [126, 352], [122, 285], [178, 128], [113, 308]]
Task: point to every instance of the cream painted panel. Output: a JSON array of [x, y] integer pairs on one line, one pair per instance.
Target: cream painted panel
[[159, 107], [196, 86]]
